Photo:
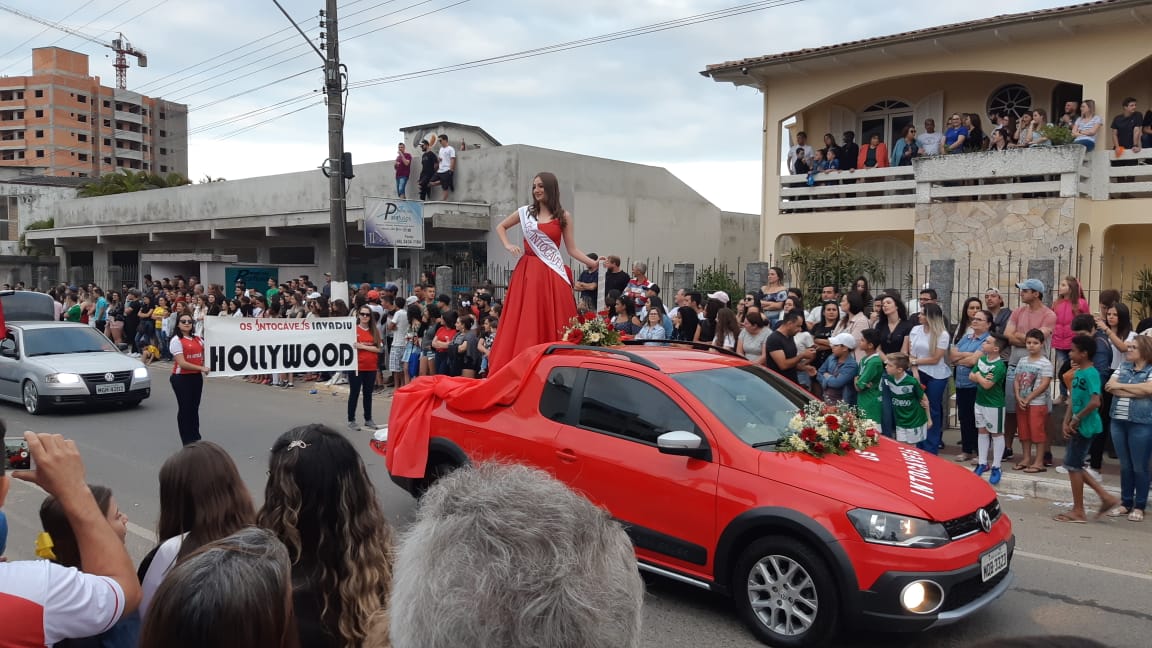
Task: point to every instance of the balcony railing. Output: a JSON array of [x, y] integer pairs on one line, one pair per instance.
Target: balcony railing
[[1051, 171]]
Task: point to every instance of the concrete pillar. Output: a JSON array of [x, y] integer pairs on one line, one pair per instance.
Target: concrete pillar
[[756, 275], [1045, 271], [683, 276], [942, 279], [444, 280]]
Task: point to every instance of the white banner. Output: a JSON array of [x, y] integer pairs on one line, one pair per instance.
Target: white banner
[[246, 346]]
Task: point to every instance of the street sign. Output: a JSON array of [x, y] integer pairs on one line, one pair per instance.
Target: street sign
[[393, 223]]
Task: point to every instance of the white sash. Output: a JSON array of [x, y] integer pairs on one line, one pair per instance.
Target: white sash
[[542, 244]]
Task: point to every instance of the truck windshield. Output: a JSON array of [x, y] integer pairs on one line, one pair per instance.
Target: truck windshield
[[755, 405], [64, 339]]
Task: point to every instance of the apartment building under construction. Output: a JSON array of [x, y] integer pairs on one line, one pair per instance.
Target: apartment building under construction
[[62, 119]]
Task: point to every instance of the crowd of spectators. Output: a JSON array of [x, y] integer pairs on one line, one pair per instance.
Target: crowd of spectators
[[317, 564], [965, 133]]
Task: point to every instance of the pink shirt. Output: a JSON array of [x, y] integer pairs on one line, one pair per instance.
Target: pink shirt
[[1062, 334]]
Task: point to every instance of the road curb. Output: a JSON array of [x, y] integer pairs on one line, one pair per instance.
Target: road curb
[[1046, 488]]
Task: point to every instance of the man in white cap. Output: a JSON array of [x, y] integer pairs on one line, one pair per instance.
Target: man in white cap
[[839, 370], [1032, 315], [720, 296]]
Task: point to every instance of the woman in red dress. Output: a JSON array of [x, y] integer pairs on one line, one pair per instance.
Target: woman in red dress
[[540, 302]]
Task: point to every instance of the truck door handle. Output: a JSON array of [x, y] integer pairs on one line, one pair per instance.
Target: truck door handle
[[566, 455]]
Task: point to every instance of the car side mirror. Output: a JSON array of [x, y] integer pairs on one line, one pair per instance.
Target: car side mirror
[[683, 444], [8, 348]]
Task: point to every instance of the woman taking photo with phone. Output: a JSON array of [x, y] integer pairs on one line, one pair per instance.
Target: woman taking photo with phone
[[187, 378]]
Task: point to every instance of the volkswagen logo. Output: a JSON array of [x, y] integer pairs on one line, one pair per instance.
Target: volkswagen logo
[[109, 376], [985, 520]]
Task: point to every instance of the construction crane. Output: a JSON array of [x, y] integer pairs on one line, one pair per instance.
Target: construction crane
[[119, 45]]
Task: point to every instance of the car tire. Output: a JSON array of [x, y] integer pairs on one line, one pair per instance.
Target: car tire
[[785, 593], [431, 476], [33, 402]]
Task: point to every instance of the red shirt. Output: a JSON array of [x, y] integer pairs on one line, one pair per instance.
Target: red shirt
[[191, 347], [445, 334], [365, 360]]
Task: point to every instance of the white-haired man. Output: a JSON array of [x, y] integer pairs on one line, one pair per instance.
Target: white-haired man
[[505, 556]]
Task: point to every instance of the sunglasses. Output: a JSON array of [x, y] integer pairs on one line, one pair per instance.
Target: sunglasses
[[185, 321], [365, 314]]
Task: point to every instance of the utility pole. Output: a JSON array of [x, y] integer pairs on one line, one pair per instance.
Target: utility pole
[[335, 166], [334, 86]]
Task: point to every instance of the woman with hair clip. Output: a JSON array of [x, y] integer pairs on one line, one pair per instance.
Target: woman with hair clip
[[232, 593], [539, 302], [202, 498], [321, 503], [58, 544], [187, 378], [368, 347]]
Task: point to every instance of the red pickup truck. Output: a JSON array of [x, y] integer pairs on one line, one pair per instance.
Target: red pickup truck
[[680, 446]]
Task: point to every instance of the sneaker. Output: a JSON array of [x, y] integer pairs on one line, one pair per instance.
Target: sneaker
[[1008, 454], [352, 426], [1047, 459], [1062, 470], [981, 469], [995, 478], [370, 424], [1095, 473], [964, 456]]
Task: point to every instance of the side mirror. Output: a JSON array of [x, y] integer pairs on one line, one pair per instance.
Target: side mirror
[[8, 348], [683, 444]]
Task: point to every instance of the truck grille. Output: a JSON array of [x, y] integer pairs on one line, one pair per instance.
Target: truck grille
[[969, 524]]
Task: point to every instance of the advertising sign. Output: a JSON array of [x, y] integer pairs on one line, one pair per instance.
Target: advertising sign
[[392, 223], [246, 346], [252, 276]]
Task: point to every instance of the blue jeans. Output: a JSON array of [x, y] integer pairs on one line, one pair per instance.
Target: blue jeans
[[935, 387], [401, 185], [1086, 143], [1134, 448], [3, 532]]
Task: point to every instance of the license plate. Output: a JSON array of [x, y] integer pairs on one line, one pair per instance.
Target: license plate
[[111, 388], [993, 562]]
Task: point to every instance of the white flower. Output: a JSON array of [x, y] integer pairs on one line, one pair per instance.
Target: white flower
[[594, 337]]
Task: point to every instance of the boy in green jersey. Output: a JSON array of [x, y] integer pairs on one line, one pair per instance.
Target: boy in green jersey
[[909, 402], [989, 375], [1081, 423], [871, 373]]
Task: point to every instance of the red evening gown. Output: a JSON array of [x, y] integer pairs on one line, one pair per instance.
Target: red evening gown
[[537, 307]]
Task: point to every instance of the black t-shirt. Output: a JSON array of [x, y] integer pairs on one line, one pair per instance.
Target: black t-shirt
[[615, 281], [428, 164], [849, 156], [589, 276], [1124, 127], [132, 320], [780, 342], [892, 341]]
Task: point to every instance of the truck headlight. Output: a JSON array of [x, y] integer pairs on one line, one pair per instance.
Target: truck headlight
[[896, 530], [140, 372], [63, 378]]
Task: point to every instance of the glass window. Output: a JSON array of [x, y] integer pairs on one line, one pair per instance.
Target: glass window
[[629, 408], [291, 255], [558, 394], [57, 340], [1014, 99], [753, 404]]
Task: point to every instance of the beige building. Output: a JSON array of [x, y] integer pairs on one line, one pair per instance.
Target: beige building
[[985, 218], [65, 121]]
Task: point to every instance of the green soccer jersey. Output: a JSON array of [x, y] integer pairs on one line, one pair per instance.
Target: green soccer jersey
[[868, 387], [907, 395], [994, 370], [1085, 383]]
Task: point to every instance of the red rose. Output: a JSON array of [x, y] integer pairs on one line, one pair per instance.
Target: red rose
[[818, 447], [589, 316], [844, 445], [808, 434], [576, 336], [871, 434], [832, 422]]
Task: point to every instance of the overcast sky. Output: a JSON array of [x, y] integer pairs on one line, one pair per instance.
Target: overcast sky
[[638, 99]]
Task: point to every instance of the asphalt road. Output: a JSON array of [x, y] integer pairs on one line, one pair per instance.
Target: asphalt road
[[1090, 580]]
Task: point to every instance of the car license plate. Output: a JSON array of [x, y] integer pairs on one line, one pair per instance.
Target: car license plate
[[993, 562], [116, 388]]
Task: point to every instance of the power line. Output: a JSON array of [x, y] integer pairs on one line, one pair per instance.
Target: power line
[[41, 33], [251, 90], [272, 119], [117, 27]]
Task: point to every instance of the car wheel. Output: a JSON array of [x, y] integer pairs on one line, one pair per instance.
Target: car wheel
[[785, 593], [431, 476], [32, 401]]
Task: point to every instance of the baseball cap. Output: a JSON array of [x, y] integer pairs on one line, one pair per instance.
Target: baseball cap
[[654, 288], [719, 295], [412, 299], [843, 339], [391, 287], [373, 294], [1031, 284], [314, 295]]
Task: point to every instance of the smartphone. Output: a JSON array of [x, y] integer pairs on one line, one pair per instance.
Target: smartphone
[[16, 454]]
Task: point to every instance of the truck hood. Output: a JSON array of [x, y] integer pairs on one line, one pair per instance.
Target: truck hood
[[890, 477], [83, 363]]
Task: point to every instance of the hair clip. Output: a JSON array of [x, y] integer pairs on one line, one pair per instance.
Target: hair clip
[[44, 546], [292, 445]]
